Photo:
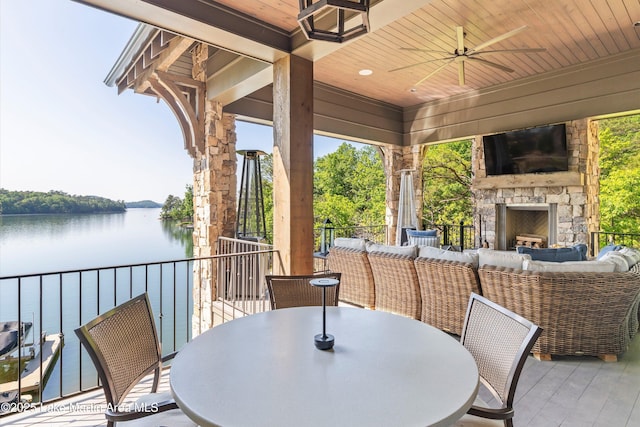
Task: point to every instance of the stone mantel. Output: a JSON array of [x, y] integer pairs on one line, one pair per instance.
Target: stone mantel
[[528, 180]]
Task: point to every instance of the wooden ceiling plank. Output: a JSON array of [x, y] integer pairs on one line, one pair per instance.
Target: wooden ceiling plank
[[624, 21], [612, 25], [592, 12]]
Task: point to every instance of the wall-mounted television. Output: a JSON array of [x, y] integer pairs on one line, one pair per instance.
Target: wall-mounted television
[[534, 150]]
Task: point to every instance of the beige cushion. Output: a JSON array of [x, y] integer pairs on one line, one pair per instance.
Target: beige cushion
[[346, 242], [510, 259], [631, 254], [436, 253], [618, 259], [411, 251], [570, 266]]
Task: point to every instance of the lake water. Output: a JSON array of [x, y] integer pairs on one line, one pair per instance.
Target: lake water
[[46, 243], [34, 244]]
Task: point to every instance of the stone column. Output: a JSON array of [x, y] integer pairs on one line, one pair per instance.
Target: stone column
[[214, 194], [293, 164], [592, 179]]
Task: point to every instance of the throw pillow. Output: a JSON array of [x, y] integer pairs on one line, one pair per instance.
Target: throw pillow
[[501, 258], [422, 233], [610, 247], [632, 255], [574, 253], [433, 241], [411, 251], [570, 266], [618, 259], [346, 242]]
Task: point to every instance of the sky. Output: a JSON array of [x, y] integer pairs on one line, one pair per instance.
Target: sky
[[62, 128]]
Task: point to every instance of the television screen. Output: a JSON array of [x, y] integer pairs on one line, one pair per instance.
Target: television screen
[[540, 149]]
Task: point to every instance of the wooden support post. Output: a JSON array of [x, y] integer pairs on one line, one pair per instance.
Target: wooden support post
[[293, 164]]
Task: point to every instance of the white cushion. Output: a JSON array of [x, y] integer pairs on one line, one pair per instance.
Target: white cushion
[[510, 259], [618, 259], [436, 253], [632, 255], [411, 251], [433, 241], [347, 242], [570, 266]]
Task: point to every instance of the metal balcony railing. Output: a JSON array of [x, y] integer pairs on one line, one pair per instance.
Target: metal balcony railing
[[56, 303]]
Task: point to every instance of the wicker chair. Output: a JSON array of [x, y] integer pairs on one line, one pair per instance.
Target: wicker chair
[[499, 341], [592, 314], [295, 291], [445, 287], [396, 282], [356, 285], [123, 345]]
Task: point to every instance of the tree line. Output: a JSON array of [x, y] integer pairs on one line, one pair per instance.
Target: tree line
[[179, 209], [55, 202]]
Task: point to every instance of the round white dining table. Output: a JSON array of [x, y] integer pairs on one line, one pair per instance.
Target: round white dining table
[[264, 370]]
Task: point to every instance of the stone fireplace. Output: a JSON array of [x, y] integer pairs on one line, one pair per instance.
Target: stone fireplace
[[540, 209]]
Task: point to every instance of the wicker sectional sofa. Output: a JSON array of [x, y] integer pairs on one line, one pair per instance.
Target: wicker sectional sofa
[[445, 288], [581, 313]]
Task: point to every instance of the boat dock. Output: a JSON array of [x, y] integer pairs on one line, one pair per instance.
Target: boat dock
[[50, 347]]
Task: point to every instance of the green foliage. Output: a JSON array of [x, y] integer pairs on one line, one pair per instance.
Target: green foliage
[[266, 169], [55, 202], [620, 174], [179, 209], [349, 187], [144, 204], [447, 183]]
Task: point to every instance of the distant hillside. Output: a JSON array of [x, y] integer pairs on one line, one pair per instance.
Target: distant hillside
[[143, 204], [54, 202]]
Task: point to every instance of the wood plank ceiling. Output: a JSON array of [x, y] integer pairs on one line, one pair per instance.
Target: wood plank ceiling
[[571, 31], [586, 62]]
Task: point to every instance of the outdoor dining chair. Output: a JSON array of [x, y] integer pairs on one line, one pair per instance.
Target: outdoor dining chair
[[296, 291], [499, 341], [124, 347]]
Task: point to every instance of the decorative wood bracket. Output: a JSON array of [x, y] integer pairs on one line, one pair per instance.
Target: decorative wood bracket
[[186, 98]]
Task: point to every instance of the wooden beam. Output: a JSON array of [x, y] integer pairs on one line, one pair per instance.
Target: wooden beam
[[527, 180], [293, 164]]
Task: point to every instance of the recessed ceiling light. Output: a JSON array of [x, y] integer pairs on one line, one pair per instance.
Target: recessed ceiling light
[[365, 72], [413, 89]]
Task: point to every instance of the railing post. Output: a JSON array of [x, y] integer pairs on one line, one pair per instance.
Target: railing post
[[461, 236]]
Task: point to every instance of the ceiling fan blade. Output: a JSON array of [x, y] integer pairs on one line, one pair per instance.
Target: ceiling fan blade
[[415, 49], [491, 64], [418, 63], [497, 39], [461, 73], [437, 70], [460, 40], [523, 50]]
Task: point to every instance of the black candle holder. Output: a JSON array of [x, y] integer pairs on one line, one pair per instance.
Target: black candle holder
[[324, 341]]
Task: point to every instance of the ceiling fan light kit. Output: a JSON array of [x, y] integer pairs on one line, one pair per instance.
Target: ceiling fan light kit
[[461, 54], [326, 19]]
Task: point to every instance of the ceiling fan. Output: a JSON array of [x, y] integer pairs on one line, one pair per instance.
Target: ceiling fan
[[462, 54]]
